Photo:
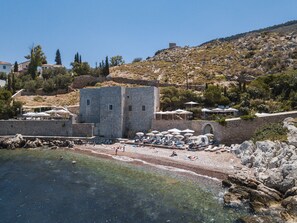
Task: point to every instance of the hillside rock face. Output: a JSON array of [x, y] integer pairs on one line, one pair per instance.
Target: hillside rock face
[[273, 188], [251, 55]]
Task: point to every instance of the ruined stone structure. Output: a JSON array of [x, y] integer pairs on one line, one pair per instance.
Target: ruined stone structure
[[118, 111]]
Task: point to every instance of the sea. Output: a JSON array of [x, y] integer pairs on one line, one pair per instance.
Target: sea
[[42, 185]]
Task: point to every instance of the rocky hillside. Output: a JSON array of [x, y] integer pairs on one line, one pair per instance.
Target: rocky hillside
[[250, 55]]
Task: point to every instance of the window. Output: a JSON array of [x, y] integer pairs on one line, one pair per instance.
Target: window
[[88, 102], [4, 67], [143, 107], [130, 107], [110, 107]]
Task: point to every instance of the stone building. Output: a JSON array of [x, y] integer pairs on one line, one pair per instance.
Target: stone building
[[118, 111]]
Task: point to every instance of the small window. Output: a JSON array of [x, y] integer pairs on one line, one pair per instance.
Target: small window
[[88, 102], [110, 107], [4, 67], [130, 108], [128, 96], [143, 107]]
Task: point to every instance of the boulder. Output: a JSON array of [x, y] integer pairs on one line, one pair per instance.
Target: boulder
[[290, 203], [291, 192]]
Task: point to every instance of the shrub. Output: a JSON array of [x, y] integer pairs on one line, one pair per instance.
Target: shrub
[[222, 121], [247, 117], [272, 131]]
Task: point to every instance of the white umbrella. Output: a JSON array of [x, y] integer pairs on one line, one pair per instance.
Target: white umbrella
[[159, 134], [164, 132], [205, 110], [179, 136], [139, 134], [150, 134], [179, 110], [174, 130], [175, 133], [169, 135], [194, 137], [217, 110], [42, 114], [191, 103], [188, 134], [30, 114], [188, 131], [155, 131]]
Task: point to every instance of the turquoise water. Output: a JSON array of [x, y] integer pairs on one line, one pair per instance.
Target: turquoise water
[[36, 186]]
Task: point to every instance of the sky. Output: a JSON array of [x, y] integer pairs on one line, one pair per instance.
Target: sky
[[130, 28]]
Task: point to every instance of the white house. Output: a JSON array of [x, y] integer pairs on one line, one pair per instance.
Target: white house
[[22, 67], [5, 67]]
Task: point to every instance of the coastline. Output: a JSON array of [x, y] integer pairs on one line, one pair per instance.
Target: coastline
[[216, 166]]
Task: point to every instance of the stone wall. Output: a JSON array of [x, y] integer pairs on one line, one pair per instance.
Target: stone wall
[[234, 131], [36, 127], [82, 129]]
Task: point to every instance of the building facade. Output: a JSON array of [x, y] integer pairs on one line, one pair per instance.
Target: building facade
[[118, 111], [5, 67]]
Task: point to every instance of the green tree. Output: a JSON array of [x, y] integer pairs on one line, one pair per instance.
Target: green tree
[[116, 60], [16, 67], [81, 68], [58, 59], [37, 58]]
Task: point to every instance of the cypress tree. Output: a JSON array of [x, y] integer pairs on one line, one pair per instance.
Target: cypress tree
[[79, 58], [58, 59], [106, 67], [16, 67], [13, 82]]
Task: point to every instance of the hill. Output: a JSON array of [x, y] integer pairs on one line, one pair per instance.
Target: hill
[[265, 51]]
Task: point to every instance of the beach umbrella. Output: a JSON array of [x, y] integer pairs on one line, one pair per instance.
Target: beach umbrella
[[155, 131], [174, 130], [194, 137], [179, 136], [150, 134], [191, 103], [188, 131], [188, 134], [30, 114], [164, 132], [175, 133], [217, 110], [139, 134], [179, 111], [159, 134], [205, 110], [169, 135], [42, 114]]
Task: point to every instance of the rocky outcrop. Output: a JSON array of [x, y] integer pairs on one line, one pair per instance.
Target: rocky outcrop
[[273, 188], [252, 55], [19, 142]]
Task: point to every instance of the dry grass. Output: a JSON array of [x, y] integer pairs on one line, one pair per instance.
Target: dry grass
[[56, 100]]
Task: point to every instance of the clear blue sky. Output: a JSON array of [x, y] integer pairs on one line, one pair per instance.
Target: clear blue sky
[[131, 28]]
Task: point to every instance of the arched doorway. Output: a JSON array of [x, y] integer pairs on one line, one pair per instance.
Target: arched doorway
[[207, 129]]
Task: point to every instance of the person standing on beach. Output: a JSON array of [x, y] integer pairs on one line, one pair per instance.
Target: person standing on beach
[[116, 151], [124, 148]]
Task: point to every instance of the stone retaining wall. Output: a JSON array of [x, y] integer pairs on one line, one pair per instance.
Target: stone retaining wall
[[234, 131], [45, 128]]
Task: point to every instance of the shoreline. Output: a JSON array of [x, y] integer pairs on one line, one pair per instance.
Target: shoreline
[[208, 165]]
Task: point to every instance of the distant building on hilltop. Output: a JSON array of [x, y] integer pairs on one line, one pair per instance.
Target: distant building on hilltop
[[5, 67], [119, 111], [172, 45]]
